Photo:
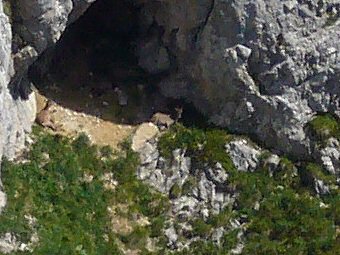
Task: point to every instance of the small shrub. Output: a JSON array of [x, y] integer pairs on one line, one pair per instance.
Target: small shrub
[[325, 126], [287, 223], [157, 226], [314, 171], [7, 6], [106, 151], [180, 137], [203, 146], [331, 20], [189, 184], [71, 214], [287, 173], [137, 238], [175, 191], [201, 228], [222, 219]]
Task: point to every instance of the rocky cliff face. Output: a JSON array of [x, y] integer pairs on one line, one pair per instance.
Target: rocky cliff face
[[27, 28], [262, 68], [16, 115]]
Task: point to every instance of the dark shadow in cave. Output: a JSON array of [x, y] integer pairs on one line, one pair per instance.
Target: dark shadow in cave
[[94, 68]]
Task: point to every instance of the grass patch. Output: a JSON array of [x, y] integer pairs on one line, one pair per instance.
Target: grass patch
[[324, 127], [203, 146], [71, 213], [72, 216], [282, 215], [288, 223]]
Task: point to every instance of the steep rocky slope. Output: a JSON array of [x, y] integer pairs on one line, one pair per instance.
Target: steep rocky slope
[[262, 68], [268, 69]]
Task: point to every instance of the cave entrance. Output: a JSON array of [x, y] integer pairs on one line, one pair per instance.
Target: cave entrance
[[94, 69]]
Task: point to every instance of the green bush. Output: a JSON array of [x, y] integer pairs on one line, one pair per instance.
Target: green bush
[[71, 213], [287, 174], [222, 219], [288, 223], [175, 191], [203, 146], [188, 185], [137, 238], [157, 226], [325, 126], [201, 228]]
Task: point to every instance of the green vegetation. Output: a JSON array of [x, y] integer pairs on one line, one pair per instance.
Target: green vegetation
[[175, 191], [201, 228], [324, 127], [282, 213], [188, 186], [204, 147], [313, 171], [331, 20], [70, 208], [7, 5], [290, 223], [71, 213]]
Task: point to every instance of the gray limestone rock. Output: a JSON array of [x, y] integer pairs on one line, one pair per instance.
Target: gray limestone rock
[[320, 187], [245, 156], [3, 200], [201, 192], [272, 163], [330, 156], [8, 243], [41, 25], [259, 67], [170, 233], [16, 114]]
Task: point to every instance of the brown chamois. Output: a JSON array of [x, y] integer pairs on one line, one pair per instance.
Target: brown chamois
[[44, 118]]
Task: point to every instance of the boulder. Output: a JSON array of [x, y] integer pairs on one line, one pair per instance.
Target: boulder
[[330, 156], [143, 134], [244, 156]]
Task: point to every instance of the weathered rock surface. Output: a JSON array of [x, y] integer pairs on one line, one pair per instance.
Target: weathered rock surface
[[258, 67], [194, 192], [143, 134], [16, 114], [244, 156], [330, 156], [32, 27]]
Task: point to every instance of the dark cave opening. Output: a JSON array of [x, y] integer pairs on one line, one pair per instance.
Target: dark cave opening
[[94, 68], [104, 37]]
